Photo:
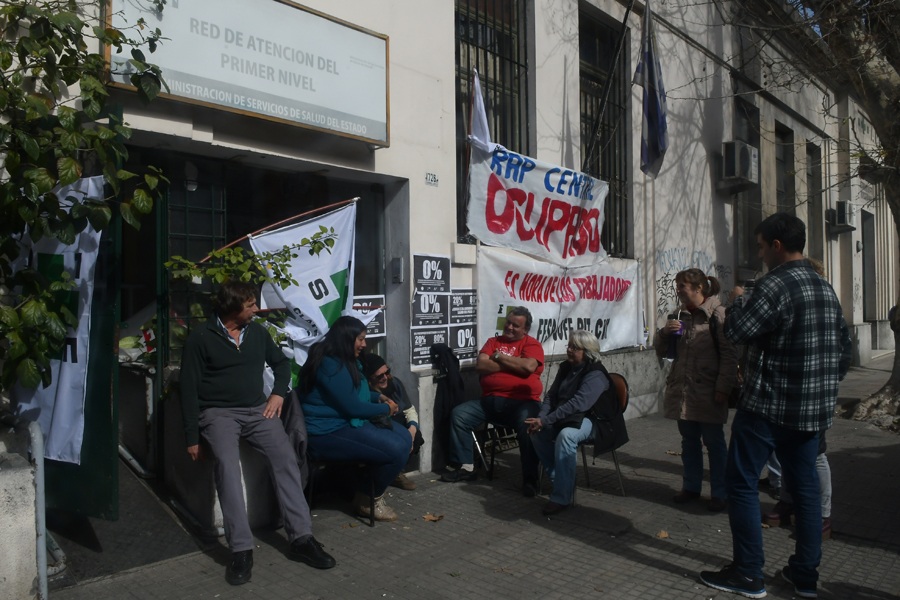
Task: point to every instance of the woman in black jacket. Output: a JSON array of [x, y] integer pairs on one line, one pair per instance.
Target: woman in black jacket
[[576, 408]]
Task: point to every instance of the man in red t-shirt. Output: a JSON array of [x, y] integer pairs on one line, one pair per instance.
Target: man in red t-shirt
[[510, 367]]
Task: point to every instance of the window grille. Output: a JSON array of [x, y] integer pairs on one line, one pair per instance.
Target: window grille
[[610, 157], [491, 36]]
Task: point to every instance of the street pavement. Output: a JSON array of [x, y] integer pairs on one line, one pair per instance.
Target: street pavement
[[864, 381], [491, 542]]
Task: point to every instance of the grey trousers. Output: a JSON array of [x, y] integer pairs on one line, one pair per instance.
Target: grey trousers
[[223, 428]]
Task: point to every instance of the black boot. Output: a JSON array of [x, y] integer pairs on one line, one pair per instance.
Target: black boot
[[312, 553], [238, 571]]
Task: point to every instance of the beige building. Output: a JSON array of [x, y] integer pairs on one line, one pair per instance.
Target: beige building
[[543, 67]]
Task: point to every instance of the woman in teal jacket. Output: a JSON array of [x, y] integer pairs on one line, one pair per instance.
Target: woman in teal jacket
[[338, 406]]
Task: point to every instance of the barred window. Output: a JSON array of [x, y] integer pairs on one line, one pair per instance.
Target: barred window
[[491, 36], [609, 159], [747, 204], [784, 169]]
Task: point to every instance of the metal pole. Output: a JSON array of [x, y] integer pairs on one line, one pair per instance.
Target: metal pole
[[607, 85], [288, 220]]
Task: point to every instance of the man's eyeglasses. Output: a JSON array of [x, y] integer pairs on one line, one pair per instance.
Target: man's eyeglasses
[[382, 375]]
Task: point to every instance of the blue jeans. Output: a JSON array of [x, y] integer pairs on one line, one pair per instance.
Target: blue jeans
[[560, 457], [753, 439], [713, 435], [387, 450], [500, 412]]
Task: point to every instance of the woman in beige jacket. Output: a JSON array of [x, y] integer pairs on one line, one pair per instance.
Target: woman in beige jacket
[[699, 383]]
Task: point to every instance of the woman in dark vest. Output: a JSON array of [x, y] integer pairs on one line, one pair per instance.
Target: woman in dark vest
[[575, 409]]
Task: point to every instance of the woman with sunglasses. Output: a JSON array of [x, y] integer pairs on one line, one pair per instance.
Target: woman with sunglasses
[[381, 380], [338, 406]]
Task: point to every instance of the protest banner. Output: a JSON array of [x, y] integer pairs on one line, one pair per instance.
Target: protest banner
[[326, 279], [59, 407], [596, 298], [522, 203]]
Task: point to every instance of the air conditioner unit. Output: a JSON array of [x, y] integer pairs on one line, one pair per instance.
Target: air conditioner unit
[[740, 167], [840, 218]]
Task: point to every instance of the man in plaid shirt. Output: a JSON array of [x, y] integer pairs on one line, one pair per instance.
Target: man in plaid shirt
[[798, 350]]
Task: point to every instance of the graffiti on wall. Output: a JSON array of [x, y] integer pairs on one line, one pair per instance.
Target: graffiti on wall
[[672, 260]]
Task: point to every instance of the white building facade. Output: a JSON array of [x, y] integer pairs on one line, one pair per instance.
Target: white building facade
[[543, 65]]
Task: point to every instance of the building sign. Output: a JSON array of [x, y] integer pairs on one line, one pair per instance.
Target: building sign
[[270, 58]]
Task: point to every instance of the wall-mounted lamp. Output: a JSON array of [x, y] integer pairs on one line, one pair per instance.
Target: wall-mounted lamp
[[858, 246], [190, 176]]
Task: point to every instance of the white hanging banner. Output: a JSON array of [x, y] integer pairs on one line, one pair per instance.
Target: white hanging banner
[[59, 408], [596, 298], [326, 280], [549, 212]]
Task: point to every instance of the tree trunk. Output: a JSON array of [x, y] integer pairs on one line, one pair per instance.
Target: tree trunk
[[882, 405]]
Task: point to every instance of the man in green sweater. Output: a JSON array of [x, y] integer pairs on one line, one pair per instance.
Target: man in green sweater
[[223, 401]]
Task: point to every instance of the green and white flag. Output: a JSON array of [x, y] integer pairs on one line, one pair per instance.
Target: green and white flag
[[326, 281], [59, 407]]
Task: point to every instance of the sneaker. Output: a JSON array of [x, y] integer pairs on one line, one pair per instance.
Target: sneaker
[[716, 504], [383, 512], [804, 589], [455, 475], [403, 482], [685, 496], [238, 572], [780, 515], [311, 552], [730, 580]]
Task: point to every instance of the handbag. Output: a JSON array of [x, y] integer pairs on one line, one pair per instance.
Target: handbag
[[738, 389]]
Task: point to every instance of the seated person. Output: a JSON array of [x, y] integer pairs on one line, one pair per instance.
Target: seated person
[[567, 416], [381, 380], [510, 367], [338, 404], [222, 401]]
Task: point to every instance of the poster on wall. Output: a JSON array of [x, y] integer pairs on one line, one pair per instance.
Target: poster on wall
[[430, 310], [463, 306], [365, 305], [464, 341], [596, 298], [420, 344], [431, 274], [276, 60], [549, 212]]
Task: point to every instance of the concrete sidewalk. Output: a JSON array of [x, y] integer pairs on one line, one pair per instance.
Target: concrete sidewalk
[[494, 543], [861, 382]]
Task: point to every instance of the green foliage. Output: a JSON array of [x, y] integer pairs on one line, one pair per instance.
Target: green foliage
[[269, 267], [235, 263], [55, 129]]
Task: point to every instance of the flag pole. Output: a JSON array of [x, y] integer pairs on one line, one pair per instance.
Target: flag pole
[[282, 222], [607, 85]]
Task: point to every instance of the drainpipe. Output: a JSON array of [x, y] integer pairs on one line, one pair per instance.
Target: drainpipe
[[37, 459]]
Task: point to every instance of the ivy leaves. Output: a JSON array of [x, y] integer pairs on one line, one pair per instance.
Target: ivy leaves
[[236, 264], [55, 128]]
